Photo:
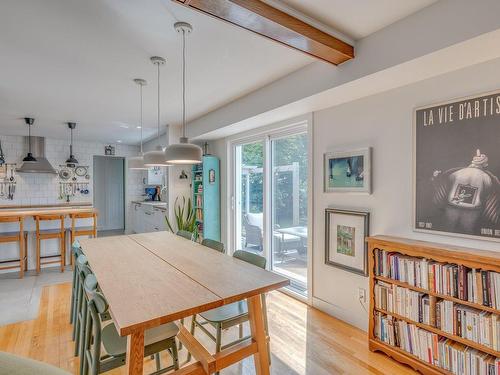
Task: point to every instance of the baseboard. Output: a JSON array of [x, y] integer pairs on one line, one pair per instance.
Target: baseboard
[[339, 313]]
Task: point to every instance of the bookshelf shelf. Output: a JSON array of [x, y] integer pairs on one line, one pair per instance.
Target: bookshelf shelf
[[439, 295], [432, 252], [432, 329]]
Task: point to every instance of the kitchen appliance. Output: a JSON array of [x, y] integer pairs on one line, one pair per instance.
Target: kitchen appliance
[[35, 160]]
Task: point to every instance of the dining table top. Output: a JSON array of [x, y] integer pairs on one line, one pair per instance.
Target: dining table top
[[154, 278]]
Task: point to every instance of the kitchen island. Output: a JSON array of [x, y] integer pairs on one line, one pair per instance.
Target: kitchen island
[[10, 251]]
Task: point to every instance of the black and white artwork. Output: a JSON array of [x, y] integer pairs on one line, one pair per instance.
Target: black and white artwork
[[457, 167]]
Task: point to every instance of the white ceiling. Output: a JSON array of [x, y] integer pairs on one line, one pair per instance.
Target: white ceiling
[[74, 60], [357, 18]]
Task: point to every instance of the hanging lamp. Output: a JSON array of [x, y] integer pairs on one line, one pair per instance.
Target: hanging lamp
[[137, 162], [183, 152], [71, 159], [156, 158], [29, 158]]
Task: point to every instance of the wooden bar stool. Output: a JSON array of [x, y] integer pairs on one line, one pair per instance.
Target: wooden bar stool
[[47, 234], [20, 237], [82, 231]]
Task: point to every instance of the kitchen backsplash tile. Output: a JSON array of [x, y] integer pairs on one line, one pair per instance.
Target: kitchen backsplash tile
[[35, 189]]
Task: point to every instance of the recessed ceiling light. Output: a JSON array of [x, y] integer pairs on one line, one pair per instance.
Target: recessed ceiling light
[[119, 141], [124, 126], [138, 127]]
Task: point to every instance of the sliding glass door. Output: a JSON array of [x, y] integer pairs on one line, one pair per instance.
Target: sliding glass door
[[289, 161], [270, 201]]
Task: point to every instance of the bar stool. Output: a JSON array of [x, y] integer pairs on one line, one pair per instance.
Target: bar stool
[[47, 234], [82, 231], [20, 237]]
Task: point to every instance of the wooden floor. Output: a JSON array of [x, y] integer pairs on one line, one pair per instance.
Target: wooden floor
[[303, 340]]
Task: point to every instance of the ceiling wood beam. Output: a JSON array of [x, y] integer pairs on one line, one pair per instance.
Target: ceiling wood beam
[[265, 20]]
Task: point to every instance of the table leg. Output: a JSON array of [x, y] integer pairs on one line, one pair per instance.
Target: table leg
[[257, 328], [135, 353]]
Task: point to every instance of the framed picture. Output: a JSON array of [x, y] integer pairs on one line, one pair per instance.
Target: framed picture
[[345, 245], [348, 171], [456, 167]]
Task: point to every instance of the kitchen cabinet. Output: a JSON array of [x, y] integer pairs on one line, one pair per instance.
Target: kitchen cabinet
[[148, 218], [155, 176]]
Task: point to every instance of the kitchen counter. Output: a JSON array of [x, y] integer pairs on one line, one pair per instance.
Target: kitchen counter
[[45, 210], [156, 204]]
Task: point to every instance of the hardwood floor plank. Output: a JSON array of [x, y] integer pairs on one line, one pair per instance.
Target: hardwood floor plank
[[304, 341]]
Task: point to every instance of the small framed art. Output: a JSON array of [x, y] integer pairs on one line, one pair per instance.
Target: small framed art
[[345, 245], [348, 171]]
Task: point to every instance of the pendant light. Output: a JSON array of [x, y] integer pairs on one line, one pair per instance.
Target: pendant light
[[183, 152], [71, 159], [29, 158], [137, 162], [156, 158]]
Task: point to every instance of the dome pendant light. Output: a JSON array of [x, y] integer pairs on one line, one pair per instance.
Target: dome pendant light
[[156, 158], [71, 159], [183, 152], [137, 162]]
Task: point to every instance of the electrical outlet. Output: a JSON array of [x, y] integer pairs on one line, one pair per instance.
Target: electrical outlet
[[362, 295]]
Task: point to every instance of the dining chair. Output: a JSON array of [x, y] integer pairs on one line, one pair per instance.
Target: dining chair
[[156, 340], [11, 364], [234, 314], [83, 270], [216, 245], [76, 251], [186, 234]]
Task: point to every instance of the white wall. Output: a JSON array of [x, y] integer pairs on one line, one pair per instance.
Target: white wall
[[383, 121]]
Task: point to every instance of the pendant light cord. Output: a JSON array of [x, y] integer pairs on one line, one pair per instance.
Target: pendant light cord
[[71, 142], [158, 65], [183, 83], [141, 118]]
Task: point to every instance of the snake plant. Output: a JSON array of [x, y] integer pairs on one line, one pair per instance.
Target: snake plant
[[185, 216]]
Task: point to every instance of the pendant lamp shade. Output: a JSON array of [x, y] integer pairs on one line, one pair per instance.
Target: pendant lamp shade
[[137, 162], [156, 158], [183, 152]]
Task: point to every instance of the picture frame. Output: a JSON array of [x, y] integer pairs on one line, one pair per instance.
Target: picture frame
[[345, 245], [348, 171], [456, 169]]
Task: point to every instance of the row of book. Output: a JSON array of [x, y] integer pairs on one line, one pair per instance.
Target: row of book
[[472, 285], [434, 349], [403, 301], [469, 323]]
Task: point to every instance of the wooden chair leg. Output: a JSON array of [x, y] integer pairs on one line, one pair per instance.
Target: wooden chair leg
[[21, 255], [175, 356], [37, 255]]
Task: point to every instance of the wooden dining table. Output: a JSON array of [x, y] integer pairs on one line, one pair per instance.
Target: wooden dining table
[[154, 278]]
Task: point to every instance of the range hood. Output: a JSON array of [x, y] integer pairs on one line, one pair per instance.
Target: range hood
[[41, 165]]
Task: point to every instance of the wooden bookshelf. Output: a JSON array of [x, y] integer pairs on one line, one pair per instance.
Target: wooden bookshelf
[[471, 258]]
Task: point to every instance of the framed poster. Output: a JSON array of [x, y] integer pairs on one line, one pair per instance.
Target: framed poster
[[456, 167], [348, 171], [345, 245]]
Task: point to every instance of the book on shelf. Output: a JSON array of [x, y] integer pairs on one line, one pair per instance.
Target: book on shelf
[[473, 285], [434, 349]]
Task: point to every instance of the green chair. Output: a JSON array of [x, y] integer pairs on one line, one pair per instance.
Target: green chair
[[186, 234], [76, 251], [97, 335], [83, 270], [216, 245], [228, 316], [11, 364]]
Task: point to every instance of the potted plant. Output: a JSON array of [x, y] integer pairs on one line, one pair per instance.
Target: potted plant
[[185, 217]]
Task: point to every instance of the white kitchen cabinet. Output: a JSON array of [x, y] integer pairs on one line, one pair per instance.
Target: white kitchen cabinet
[[155, 176], [148, 218]]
